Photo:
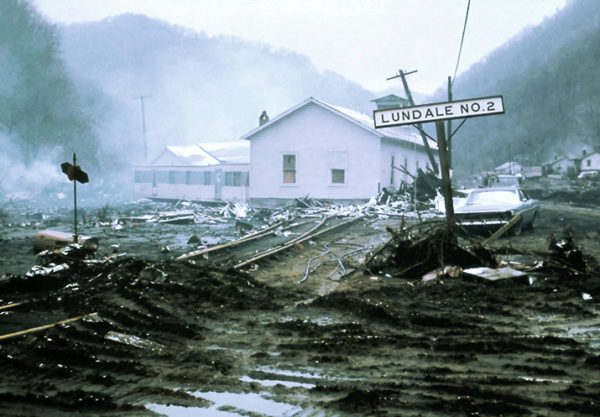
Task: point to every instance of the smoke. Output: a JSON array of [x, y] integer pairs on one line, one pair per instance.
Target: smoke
[[28, 182]]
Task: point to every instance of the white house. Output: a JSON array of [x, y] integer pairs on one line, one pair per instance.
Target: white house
[[208, 172], [560, 165], [591, 162], [329, 152], [509, 168]]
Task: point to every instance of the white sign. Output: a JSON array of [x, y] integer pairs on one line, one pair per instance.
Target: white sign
[[438, 111]]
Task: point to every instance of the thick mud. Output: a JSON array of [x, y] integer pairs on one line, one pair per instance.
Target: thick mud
[[160, 337]]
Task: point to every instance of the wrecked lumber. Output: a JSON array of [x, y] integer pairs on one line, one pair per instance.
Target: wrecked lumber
[[271, 229], [308, 235], [413, 252], [502, 230], [44, 327]]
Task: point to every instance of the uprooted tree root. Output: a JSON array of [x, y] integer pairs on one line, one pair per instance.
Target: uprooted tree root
[[426, 246]]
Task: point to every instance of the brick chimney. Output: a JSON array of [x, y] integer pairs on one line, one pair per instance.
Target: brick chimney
[[264, 118]]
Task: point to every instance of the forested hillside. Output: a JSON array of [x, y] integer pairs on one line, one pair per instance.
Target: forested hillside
[[202, 88], [550, 79], [41, 110]]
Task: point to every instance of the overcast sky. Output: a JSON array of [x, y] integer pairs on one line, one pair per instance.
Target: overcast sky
[[366, 41]]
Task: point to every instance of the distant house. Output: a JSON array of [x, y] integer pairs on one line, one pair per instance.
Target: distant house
[[391, 101], [590, 162], [532, 171], [509, 168], [208, 172], [560, 165], [329, 152]]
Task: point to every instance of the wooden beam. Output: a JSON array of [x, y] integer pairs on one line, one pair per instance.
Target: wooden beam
[[44, 327], [502, 230]]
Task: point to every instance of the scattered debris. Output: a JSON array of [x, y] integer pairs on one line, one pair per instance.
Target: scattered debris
[[496, 274]]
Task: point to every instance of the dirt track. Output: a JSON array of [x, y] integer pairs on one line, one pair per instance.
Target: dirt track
[[181, 339]]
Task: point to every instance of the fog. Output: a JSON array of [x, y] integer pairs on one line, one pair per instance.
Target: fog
[[198, 88], [74, 88]]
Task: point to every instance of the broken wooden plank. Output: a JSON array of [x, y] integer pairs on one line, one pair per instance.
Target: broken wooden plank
[[299, 239], [11, 305], [502, 230], [44, 327], [259, 234]]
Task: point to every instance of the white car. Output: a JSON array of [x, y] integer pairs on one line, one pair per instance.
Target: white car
[[588, 174], [494, 207]]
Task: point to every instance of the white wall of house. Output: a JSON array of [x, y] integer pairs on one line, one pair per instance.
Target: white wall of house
[[234, 181], [222, 182], [562, 165], [591, 162], [410, 156], [321, 142]]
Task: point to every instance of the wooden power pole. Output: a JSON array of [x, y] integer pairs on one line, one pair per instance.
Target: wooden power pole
[[402, 75]]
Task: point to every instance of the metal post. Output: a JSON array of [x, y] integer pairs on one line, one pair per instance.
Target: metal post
[[75, 237], [446, 183]]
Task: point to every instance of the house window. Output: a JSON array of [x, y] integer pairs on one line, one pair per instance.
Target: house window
[[289, 169], [589, 162], [206, 179], [337, 176], [338, 163], [171, 177], [233, 179], [188, 177]]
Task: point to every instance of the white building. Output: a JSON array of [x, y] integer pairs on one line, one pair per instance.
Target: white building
[[205, 172], [329, 152], [509, 168], [590, 162], [560, 165]]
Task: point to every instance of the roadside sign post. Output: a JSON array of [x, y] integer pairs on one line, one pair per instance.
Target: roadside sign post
[[438, 112], [445, 168], [74, 173]]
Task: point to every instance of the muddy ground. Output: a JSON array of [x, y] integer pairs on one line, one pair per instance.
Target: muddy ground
[[161, 337]]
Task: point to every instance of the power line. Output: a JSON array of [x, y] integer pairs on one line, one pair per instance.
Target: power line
[[462, 39]]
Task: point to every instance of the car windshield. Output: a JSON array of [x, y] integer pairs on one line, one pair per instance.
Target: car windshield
[[493, 197]]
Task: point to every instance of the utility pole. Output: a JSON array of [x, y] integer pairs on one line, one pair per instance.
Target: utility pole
[[449, 125], [401, 74], [141, 98], [446, 182]]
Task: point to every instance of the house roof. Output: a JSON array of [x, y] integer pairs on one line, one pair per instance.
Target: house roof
[[191, 155], [555, 160], [507, 165], [205, 154], [401, 133], [589, 154], [390, 98], [231, 152]]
